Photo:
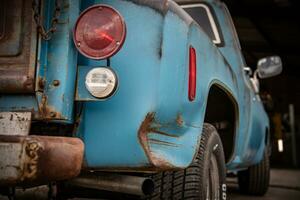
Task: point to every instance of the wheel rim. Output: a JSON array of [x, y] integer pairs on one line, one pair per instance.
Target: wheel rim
[[213, 180]]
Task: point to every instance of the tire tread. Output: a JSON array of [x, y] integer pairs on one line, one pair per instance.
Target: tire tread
[[184, 184], [255, 180]]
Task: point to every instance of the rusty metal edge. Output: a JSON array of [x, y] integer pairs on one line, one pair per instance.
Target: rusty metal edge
[[42, 159]]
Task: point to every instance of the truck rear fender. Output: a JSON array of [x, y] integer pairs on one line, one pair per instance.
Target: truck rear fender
[[150, 117]]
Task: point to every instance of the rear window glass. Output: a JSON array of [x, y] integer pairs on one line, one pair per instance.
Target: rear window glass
[[202, 14]]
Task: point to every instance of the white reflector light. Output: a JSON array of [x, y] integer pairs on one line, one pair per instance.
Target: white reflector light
[[101, 82]]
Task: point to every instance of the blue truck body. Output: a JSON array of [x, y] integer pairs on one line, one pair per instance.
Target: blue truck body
[[149, 124], [152, 68]]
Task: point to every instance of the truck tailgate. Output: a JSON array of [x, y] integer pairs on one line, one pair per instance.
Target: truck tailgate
[[17, 47]]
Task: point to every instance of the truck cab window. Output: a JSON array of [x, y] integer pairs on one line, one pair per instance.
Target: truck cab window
[[203, 15]]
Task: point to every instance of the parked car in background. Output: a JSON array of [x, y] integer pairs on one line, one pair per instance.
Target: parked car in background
[[148, 98]]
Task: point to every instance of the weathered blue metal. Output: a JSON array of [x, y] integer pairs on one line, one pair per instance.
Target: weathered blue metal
[[58, 66], [55, 72], [149, 124], [18, 103]]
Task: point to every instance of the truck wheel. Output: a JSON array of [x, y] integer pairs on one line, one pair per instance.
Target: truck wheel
[[255, 180], [205, 178]]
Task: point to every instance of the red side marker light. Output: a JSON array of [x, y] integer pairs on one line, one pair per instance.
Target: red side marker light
[[192, 73]]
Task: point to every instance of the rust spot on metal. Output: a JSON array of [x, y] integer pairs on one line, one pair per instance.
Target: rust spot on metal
[[14, 83], [32, 150], [155, 141], [52, 114], [41, 83], [56, 83], [17, 47], [39, 159], [43, 106], [155, 130], [145, 129], [179, 120], [47, 112]]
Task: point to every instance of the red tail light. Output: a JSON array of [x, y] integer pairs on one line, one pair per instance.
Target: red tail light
[[192, 74], [99, 32]]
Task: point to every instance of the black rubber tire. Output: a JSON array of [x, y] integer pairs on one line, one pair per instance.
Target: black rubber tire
[[255, 180], [191, 183]]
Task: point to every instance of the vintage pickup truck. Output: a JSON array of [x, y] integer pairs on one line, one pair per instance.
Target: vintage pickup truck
[[150, 98]]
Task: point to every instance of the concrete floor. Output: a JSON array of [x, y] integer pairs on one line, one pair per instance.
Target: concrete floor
[[285, 185], [273, 194]]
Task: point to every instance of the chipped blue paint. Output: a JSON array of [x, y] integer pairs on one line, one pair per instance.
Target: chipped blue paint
[[149, 124], [56, 60], [152, 68], [19, 102]]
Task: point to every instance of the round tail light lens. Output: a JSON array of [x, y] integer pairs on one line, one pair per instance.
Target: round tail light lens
[[101, 82], [99, 32]]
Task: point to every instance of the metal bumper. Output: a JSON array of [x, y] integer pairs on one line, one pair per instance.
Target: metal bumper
[[30, 160]]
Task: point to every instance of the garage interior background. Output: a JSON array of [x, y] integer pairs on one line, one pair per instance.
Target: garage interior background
[[272, 27]]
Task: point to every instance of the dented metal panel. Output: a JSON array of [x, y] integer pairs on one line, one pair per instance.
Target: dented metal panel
[[38, 159], [149, 124], [150, 82], [17, 47], [145, 129]]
